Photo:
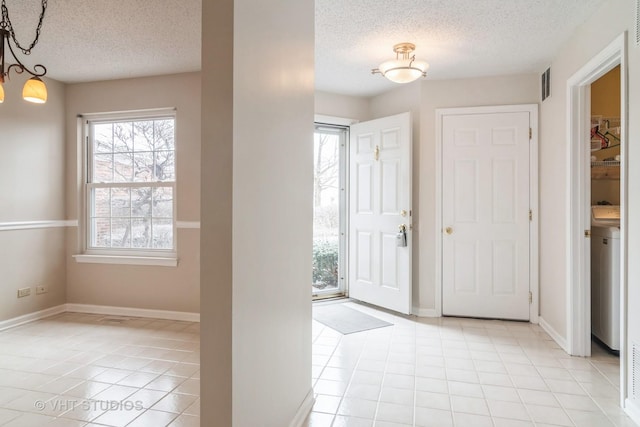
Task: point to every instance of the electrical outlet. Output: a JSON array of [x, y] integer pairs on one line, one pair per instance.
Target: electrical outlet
[[24, 292], [41, 290]]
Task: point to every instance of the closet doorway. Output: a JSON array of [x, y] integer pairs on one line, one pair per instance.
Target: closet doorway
[[581, 171], [605, 211]]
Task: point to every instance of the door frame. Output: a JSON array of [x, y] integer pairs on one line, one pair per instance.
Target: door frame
[[579, 217], [341, 122], [532, 109]]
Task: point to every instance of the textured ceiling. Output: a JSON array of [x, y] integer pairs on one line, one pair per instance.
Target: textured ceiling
[[88, 40], [458, 38]]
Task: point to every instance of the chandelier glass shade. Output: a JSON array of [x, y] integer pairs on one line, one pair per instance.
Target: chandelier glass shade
[[34, 89], [405, 68]]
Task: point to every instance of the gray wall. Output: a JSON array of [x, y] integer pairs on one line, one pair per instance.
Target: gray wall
[[32, 188], [159, 288]]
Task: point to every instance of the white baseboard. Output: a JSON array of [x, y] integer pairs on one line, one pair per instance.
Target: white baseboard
[[30, 317], [99, 309], [632, 410], [424, 312], [562, 341], [134, 312], [303, 411]]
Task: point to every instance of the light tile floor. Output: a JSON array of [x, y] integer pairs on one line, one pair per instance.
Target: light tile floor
[[75, 370], [458, 372]]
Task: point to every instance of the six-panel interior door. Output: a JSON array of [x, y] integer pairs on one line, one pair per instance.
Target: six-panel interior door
[[379, 203], [485, 215]]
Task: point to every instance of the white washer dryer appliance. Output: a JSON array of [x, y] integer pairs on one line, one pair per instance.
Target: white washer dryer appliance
[[605, 275]]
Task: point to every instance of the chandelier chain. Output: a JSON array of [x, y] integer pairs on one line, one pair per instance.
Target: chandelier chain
[[6, 25]]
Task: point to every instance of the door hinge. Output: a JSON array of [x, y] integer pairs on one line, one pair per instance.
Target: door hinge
[[530, 134], [530, 297], [587, 233], [530, 215]]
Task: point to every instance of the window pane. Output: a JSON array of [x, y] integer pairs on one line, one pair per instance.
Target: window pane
[[165, 166], [162, 234], [123, 167], [143, 166], [120, 233], [141, 233], [141, 202], [143, 136], [102, 168], [101, 206], [101, 236], [120, 202], [163, 202], [122, 137], [125, 153], [103, 138], [165, 134]]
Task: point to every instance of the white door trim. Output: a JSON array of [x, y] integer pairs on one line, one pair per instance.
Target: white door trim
[[532, 109], [579, 216]]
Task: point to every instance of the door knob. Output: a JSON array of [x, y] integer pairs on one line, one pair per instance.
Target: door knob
[[448, 230], [403, 213]]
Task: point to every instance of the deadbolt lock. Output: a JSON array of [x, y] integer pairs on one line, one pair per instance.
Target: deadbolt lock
[[401, 237], [448, 230]]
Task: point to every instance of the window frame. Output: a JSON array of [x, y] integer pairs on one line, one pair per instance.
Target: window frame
[[142, 256]]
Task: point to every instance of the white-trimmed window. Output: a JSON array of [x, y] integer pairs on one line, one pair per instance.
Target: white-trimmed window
[[131, 184]]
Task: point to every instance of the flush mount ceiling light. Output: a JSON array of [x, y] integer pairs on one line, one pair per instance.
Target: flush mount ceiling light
[[404, 68], [34, 89]]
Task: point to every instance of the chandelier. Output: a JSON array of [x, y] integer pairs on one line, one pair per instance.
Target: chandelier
[[404, 68], [34, 89]]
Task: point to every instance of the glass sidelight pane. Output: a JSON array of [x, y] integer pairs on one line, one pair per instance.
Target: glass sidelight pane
[[328, 199]]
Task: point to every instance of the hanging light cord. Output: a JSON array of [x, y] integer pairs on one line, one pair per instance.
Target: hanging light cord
[[6, 25]]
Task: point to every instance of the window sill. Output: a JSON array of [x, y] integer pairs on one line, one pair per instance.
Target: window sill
[[127, 260]]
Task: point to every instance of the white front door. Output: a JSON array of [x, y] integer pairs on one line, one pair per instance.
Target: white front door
[[485, 215], [379, 203]]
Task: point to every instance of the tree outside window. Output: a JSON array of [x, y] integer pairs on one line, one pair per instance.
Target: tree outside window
[[131, 184]]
